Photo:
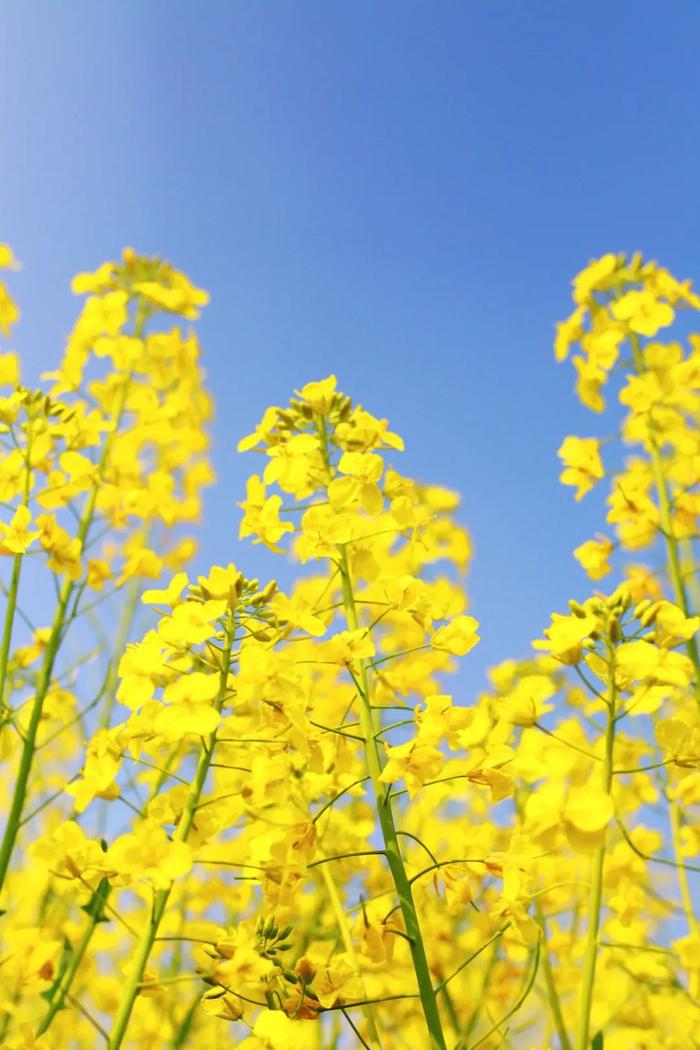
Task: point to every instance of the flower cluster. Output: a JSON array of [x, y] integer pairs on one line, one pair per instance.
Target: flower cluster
[[237, 815]]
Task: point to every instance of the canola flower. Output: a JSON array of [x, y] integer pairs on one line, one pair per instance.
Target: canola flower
[[237, 816]]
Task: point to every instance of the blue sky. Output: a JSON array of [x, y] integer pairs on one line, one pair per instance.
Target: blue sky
[[397, 192]]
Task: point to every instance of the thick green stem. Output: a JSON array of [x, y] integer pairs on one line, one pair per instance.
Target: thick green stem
[[160, 898], [596, 891], [672, 542], [388, 830]]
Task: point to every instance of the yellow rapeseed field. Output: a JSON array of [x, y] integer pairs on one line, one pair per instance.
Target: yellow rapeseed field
[[237, 817]]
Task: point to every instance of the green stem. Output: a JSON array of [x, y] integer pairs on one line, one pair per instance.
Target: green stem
[[481, 998], [596, 891], [686, 898], [552, 994], [452, 1012], [346, 936], [12, 596], [81, 948], [185, 1028], [160, 898], [125, 621], [45, 675], [77, 956], [666, 520], [29, 746], [9, 623], [548, 970], [388, 828]]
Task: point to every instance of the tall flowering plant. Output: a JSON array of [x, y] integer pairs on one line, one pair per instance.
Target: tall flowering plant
[[237, 816]]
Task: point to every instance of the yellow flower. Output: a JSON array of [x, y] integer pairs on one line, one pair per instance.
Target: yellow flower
[[338, 983], [597, 276], [261, 518], [9, 370], [32, 960], [273, 1030], [102, 280], [298, 611], [565, 637], [16, 538], [487, 769], [98, 572], [363, 432], [147, 854], [583, 467], [641, 661], [9, 312], [173, 292], [191, 623], [180, 720], [414, 763], [590, 378], [64, 552], [68, 853], [81, 471], [7, 258], [587, 812], [643, 312], [594, 556], [671, 625], [362, 472], [319, 395], [681, 739], [440, 720], [322, 531], [458, 637], [98, 779], [569, 332], [217, 1002], [170, 596], [104, 314], [347, 647]]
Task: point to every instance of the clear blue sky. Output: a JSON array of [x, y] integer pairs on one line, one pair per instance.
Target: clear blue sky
[[395, 191]]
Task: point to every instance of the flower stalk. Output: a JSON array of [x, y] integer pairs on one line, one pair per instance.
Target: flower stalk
[[388, 829], [596, 891], [161, 897]]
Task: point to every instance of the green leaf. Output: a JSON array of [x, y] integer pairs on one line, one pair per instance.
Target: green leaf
[[95, 906]]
